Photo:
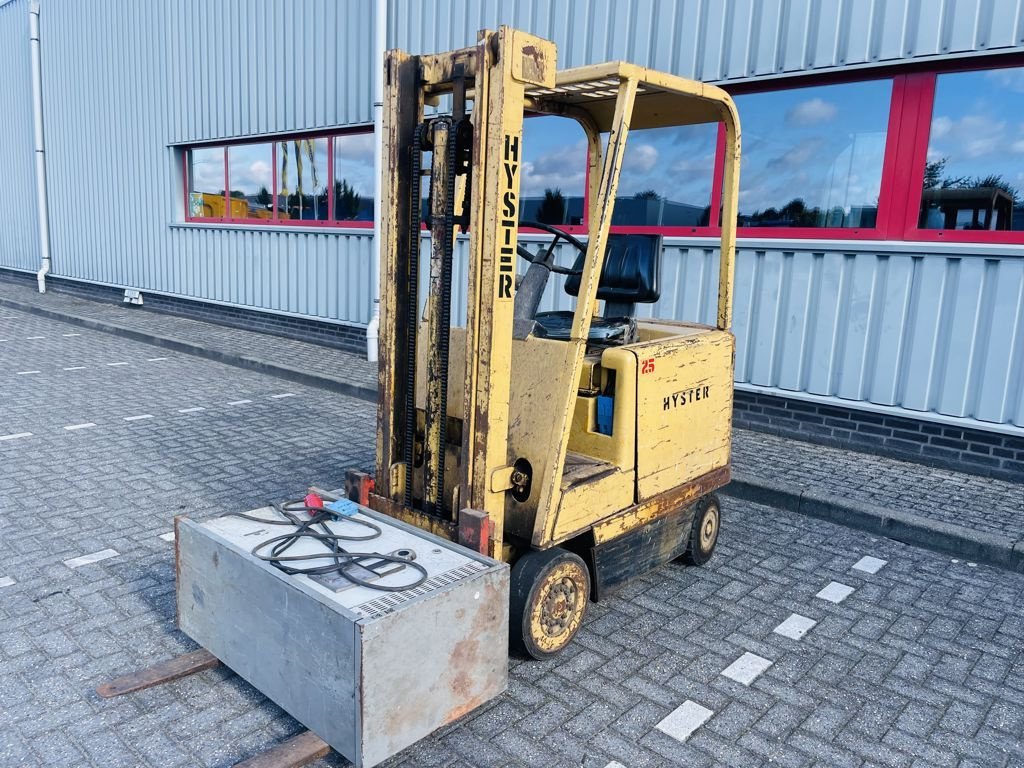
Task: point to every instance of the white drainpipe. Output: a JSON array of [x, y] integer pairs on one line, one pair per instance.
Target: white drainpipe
[[37, 113], [380, 27]]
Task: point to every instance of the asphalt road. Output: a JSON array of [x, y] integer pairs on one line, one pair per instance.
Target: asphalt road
[[905, 658]]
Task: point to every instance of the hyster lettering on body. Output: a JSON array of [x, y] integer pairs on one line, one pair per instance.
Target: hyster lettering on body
[[510, 218], [685, 396]]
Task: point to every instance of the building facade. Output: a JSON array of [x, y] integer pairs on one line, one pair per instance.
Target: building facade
[[218, 156]]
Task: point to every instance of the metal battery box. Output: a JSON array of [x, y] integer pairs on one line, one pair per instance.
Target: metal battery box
[[370, 672]]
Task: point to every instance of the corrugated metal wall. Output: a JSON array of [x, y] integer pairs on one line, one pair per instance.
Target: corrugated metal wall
[[19, 233], [939, 333], [124, 81], [720, 40]]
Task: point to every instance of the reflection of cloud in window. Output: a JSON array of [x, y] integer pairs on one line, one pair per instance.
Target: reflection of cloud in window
[[812, 112], [1011, 78], [941, 126], [564, 168], [208, 175], [640, 158], [972, 136], [357, 146]]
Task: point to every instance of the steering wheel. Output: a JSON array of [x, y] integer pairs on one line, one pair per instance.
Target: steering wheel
[[560, 234]]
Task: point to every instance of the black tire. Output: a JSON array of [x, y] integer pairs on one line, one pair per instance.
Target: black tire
[[548, 598], [707, 525]]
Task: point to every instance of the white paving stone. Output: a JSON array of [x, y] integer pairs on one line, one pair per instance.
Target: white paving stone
[[283, 395], [615, 764], [73, 427], [95, 557], [747, 668], [795, 627], [239, 402], [7, 581], [682, 721], [140, 417], [869, 564], [167, 536], [15, 436], [835, 592], [197, 409]]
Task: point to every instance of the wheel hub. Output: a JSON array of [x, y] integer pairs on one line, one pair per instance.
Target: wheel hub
[[709, 529], [558, 606]]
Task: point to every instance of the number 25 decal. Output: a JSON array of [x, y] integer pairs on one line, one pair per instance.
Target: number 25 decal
[[647, 366]]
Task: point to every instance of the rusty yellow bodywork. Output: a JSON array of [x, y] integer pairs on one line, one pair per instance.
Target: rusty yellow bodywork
[[532, 400]]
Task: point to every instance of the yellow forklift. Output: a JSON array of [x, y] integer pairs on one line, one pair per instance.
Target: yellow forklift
[[583, 448]]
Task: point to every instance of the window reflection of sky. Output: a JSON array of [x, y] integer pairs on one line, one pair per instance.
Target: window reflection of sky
[[978, 125], [677, 163], [822, 144], [208, 170], [249, 168], [250, 165], [353, 162]]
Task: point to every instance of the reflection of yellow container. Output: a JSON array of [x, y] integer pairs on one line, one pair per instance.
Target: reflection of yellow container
[[206, 205]]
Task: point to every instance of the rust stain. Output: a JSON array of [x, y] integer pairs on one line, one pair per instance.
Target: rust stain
[[536, 54]]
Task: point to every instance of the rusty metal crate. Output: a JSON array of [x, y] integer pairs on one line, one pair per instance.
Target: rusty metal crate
[[370, 672]]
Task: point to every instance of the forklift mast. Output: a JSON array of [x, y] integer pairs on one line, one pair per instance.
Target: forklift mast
[[478, 154]]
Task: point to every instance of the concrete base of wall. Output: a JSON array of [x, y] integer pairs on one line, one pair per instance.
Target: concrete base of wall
[[964, 450]]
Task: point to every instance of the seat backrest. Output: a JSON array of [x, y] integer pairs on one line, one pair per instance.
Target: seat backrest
[[631, 274]]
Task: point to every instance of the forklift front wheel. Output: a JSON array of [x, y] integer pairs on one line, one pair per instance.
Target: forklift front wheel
[[549, 592], [707, 522]]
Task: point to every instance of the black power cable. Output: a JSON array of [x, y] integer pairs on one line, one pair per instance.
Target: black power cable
[[315, 529]]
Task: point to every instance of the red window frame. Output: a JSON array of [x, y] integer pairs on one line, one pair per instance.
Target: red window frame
[[911, 159], [906, 148], [274, 221]]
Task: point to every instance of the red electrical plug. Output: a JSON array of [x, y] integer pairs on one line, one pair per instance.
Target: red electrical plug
[[313, 501]]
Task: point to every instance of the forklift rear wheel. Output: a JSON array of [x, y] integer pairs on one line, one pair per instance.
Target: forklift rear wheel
[[707, 522], [549, 593]]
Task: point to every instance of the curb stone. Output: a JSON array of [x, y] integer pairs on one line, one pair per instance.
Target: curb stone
[[991, 549]]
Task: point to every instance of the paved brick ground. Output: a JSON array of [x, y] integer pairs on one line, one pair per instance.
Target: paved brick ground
[[923, 664], [305, 356], [959, 498]]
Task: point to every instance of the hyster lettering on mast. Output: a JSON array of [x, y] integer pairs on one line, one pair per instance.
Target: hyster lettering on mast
[[566, 452], [580, 447]]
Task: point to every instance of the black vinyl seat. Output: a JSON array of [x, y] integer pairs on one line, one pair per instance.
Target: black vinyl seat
[[631, 276]]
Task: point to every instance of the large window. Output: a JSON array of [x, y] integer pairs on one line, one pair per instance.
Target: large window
[[300, 180], [974, 168], [812, 157]]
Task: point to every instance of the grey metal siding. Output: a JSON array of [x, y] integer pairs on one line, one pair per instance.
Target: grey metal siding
[[124, 81], [726, 40], [242, 68], [19, 232]]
